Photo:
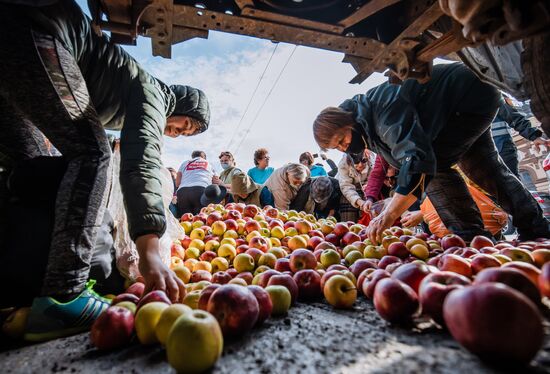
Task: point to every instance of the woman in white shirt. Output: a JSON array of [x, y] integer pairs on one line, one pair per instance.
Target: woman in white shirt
[[192, 178]]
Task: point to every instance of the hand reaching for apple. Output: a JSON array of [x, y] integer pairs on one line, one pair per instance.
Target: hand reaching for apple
[[156, 274]]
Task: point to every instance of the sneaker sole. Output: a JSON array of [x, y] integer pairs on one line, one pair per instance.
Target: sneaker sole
[[51, 335]]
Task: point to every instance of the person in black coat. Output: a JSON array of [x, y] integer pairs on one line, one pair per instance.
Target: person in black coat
[[423, 130]]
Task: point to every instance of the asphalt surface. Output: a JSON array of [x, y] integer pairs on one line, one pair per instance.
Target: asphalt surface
[[312, 338]]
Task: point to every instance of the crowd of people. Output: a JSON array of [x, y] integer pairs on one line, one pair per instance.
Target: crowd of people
[[412, 152]]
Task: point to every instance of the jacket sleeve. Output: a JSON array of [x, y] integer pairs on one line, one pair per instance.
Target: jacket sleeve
[[518, 122], [399, 128], [376, 179], [141, 139], [347, 186]]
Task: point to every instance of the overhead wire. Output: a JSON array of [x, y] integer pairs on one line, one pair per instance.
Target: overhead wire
[[265, 100], [252, 96]]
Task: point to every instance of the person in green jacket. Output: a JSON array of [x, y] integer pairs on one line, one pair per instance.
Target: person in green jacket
[[61, 79], [423, 130]]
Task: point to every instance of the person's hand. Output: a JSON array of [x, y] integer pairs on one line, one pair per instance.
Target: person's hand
[[216, 180], [411, 219], [539, 142], [375, 230], [156, 274]]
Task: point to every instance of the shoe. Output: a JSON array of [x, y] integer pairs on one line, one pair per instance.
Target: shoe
[[49, 319]]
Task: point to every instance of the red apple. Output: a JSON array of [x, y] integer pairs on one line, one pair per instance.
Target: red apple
[[286, 281], [156, 295], [235, 308], [495, 322], [302, 259], [512, 278], [205, 295], [282, 264], [221, 277], [395, 301], [452, 240], [264, 303], [398, 249], [454, 263], [483, 261], [125, 297], [309, 284], [370, 282], [113, 328], [434, 289], [412, 274]]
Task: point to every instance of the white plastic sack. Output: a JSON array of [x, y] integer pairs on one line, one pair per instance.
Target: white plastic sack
[[126, 252]]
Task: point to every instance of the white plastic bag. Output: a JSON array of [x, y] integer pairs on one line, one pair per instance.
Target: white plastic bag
[[127, 257]]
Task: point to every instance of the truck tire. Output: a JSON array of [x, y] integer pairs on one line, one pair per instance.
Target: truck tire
[[535, 62]]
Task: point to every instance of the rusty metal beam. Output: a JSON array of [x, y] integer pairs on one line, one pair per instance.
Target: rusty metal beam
[[209, 20], [395, 53], [291, 21], [367, 10]]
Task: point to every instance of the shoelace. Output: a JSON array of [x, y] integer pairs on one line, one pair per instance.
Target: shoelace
[[90, 288]]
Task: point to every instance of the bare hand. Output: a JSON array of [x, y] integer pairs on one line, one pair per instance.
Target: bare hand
[[539, 142], [411, 219], [156, 274], [375, 230]]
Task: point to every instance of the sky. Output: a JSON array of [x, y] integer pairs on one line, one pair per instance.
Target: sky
[[228, 68]]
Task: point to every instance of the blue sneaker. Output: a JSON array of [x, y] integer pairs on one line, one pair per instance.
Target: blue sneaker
[[49, 319]]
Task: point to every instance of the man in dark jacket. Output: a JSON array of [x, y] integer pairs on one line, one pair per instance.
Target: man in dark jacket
[[425, 129], [60, 78]]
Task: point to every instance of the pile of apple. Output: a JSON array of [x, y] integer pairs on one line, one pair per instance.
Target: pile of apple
[[242, 265]]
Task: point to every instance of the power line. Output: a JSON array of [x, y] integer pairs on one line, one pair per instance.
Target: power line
[[252, 97], [265, 100]]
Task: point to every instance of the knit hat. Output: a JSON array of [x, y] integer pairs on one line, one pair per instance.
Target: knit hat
[[321, 189], [242, 184], [191, 102], [213, 194]]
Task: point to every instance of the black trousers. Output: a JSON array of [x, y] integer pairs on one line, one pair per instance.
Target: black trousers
[[467, 142], [189, 199]]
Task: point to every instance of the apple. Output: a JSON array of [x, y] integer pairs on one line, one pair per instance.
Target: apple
[[369, 283], [235, 308], [263, 278], [512, 278], [264, 302], [481, 241], [287, 281], [282, 264], [495, 305], [205, 294], [194, 343], [156, 295], [397, 249], [395, 301], [483, 261], [302, 259], [412, 274], [340, 292], [358, 266], [433, 290], [309, 284], [246, 276], [146, 321], [113, 328], [452, 240], [167, 320], [280, 298], [457, 264], [125, 297], [544, 280], [531, 271]]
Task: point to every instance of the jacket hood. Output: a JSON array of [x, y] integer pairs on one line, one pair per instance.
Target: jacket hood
[[192, 102]]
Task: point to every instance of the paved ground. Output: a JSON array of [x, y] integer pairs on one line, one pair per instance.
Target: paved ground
[[313, 338]]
